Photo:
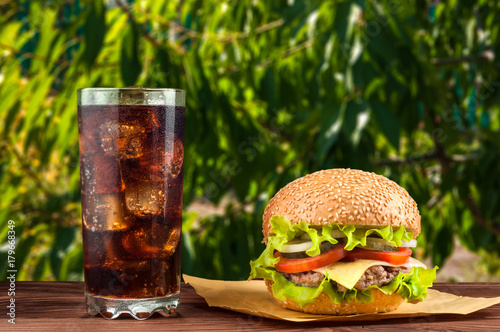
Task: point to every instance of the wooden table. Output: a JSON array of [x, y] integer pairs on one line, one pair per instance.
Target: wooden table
[[58, 306]]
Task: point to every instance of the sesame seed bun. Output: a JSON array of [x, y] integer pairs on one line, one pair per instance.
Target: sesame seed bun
[[323, 304], [345, 197]]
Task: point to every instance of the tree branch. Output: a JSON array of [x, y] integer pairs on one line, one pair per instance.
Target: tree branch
[[407, 160], [221, 37], [34, 56], [285, 54], [439, 149], [439, 154], [424, 157], [145, 34], [204, 35], [486, 55], [478, 216]]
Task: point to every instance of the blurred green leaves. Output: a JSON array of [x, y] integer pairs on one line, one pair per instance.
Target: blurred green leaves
[[275, 90], [94, 32], [388, 123], [130, 64]]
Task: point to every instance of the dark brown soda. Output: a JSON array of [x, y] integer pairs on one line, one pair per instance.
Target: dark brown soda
[[131, 162]]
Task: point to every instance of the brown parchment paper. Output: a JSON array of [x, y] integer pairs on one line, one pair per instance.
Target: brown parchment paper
[[252, 297]]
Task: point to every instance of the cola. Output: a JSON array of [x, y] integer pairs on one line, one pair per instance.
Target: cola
[[131, 164]]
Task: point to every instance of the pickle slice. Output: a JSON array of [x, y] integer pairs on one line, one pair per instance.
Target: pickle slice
[[323, 247], [373, 243]]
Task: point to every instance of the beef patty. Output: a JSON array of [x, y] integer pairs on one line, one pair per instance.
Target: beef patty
[[375, 275], [306, 279]]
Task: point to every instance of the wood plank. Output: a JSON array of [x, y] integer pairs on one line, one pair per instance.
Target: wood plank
[[59, 306]]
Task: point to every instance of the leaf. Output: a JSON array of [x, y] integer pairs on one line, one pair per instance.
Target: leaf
[[268, 89], [332, 116], [476, 236], [9, 95], [346, 15], [94, 32], [297, 9], [46, 36], [62, 242], [72, 265], [130, 65], [357, 115], [375, 84], [8, 195], [188, 252], [11, 116], [449, 180], [471, 108], [356, 50], [443, 245], [69, 131], [23, 249], [41, 89], [9, 32], [41, 269], [4, 220], [387, 122], [165, 66]]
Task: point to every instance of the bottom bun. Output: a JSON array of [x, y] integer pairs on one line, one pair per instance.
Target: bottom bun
[[323, 304]]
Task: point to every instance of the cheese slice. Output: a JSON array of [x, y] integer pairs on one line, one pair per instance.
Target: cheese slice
[[348, 273]]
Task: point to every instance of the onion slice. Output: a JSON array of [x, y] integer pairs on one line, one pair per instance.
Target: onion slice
[[296, 245], [409, 244]]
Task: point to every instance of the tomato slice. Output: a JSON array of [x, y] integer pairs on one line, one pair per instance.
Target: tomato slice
[[400, 257], [288, 265]]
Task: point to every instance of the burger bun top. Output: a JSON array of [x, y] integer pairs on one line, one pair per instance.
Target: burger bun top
[[345, 197]]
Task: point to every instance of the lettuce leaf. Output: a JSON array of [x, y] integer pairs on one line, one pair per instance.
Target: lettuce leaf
[[412, 286], [284, 231], [388, 233]]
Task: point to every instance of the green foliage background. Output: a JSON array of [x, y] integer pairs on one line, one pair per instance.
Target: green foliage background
[[275, 90]]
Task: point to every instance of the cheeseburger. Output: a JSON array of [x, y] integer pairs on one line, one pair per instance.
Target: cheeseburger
[[339, 242]]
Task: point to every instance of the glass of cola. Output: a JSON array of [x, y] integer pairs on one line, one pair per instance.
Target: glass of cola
[[131, 170]]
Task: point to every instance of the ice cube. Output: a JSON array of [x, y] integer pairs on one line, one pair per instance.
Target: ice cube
[[137, 243], [123, 140], [89, 122], [145, 197], [163, 158], [115, 277], [104, 212], [145, 168], [151, 239], [107, 174], [173, 240], [174, 156], [87, 175], [88, 145]]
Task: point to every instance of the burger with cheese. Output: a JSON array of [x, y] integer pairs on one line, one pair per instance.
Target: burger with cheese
[[339, 242]]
